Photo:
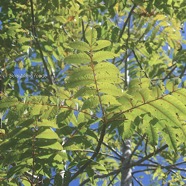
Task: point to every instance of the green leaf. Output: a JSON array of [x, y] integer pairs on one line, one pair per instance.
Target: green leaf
[[79, 45], [170, 137], [172, 84], [128, 129], [109, 89], [167, 109], [103, 55], [18, 169], [49, 48], [86, 91], [25, 182], [49, 112], [80, 77], [91, 35], [109, 100], [8, 102], [36, 109], [80, 58], [180, 94], [92, 102], [49, 144], [23, 39], [47, 134], [101, 44], [2, 132], [47, 123], [107, 72], [149, 127]]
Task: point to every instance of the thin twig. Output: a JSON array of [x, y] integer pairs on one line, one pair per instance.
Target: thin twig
[[182, 73], [138, 171], [96, 152], [170, 72], [115, 152], [148, 156], [137, 60], [175, 172], [148, 165], [100, 153], [113, 179], [136, 147], [137, 180], [63, 28]]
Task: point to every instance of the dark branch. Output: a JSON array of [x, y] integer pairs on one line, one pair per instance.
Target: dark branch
[[148, 156], [113, 179], [170, 72], [137, 180], [137, 60], [38, 43], [125, 24], [183, 72], [112, 150], [136, 147], [138, 171], [103, 130], [101, 176], [93, 156]]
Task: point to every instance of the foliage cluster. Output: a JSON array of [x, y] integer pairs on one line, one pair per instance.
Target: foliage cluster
[[81, 77]]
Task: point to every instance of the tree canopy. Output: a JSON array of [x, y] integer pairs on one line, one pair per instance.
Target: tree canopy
[[92, 92]]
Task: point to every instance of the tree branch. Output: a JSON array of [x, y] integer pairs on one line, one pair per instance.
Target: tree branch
[[113, 179], [182, 73], [137, 180], [138, 171], [136, 147], [170, 72], [101, 176], [125, 24], [103, 130], [112, 150], [137, 60], [38, 43], [148, 156], [96, 152]]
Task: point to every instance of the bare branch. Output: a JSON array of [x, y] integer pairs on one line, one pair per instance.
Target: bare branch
[[137, 180], [138, 171]]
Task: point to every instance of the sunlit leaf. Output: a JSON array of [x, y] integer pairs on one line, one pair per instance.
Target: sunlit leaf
[[79, 45], [103, 55], [77, 59], [47, 134]]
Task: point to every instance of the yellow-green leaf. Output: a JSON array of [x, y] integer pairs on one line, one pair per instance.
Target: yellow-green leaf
[[47, 134], [77, 59]]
